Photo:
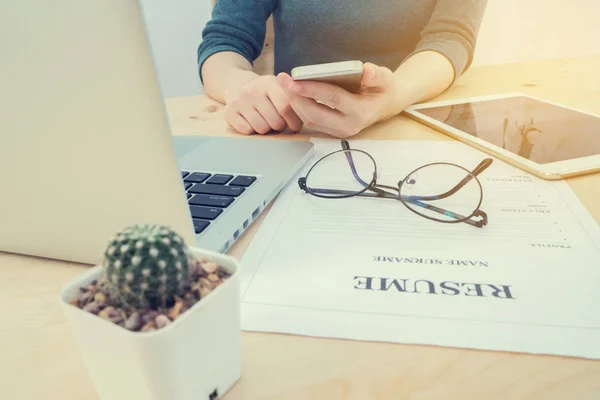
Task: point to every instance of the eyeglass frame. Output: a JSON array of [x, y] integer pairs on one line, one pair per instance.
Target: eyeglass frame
[[380, 192]]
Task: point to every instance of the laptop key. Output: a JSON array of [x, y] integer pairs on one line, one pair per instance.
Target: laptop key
[[184, 174], [217, 190], [200, 225], [244, 181], [219, 179], [188, 185], [205, 212], [211, 201], [197, 177]]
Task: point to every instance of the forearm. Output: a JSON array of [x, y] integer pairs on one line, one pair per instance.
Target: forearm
[[225, 73], [421, 77], [444, 52]]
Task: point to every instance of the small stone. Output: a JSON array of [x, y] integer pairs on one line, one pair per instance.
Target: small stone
[[223, 274], [148, 327], [196, 293], [134, 322], [100, 298], [149, 317], [206, 283], [74, 302], [92, 307], [176, 309], [195, 271], [210, 267], [86, 298], [161, 321], [204, 291], [117, 317], [92, 288], [107, 312], [213, 277]]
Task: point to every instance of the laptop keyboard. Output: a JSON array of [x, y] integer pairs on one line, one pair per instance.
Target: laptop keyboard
[[210, 194]]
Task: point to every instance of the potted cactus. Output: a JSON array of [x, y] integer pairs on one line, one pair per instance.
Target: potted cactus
[[158, 319]]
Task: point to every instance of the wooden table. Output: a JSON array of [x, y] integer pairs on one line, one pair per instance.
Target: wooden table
[[39, 360]]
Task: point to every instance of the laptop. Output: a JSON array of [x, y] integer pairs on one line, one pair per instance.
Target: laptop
[[86, 148]]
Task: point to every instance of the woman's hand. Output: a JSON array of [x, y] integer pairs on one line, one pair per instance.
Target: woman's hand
[[260, 106], [343, 114]]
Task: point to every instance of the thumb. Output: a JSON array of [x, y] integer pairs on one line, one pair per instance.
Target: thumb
[[376, 76], [285, 81]]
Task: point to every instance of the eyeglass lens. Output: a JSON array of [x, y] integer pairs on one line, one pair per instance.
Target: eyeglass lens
[[341, 174], [432, 191]]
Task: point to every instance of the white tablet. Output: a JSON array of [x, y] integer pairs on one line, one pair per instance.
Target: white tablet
[[549, 140]]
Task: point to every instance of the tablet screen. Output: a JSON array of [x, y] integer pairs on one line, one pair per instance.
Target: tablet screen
[[533, 129]]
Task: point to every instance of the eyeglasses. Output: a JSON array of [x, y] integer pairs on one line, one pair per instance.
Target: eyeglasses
[[441, 192]]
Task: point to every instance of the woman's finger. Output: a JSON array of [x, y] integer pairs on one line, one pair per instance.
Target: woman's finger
[[256, 121], [237, 122], [270, 114], [321, 117], [282, 103], [326, 93]]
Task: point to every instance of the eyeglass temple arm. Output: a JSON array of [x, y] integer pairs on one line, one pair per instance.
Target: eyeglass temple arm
[[482, 166], [348, 154], [477, 214]]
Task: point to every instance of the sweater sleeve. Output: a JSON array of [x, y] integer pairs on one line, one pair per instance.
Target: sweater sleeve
[[452, 31], [235, 25]]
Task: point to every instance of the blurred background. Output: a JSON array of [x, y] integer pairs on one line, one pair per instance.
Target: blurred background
[[511, 31]]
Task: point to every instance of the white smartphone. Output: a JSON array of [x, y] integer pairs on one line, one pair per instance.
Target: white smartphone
[[549, 140], [345, 74]]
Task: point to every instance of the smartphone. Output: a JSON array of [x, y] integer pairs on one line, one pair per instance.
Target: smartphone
[[345, 74]]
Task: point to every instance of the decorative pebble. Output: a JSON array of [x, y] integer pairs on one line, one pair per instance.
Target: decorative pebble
[[148, 327], [86, 298], [134, 322], [100, 298], [206, 284], [194, 271], [92, 307], [210, 267], [149, 317], [213, 277], [204, 291], [106, 313], [196, 292], [176, 309], [223, 274], [161, 321]]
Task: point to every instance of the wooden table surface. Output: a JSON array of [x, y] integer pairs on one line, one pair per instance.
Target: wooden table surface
[[39, 360]]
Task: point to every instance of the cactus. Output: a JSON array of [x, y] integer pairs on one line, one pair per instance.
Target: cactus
[[146, 266]]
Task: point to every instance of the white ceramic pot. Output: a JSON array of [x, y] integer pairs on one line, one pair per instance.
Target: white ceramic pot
[[196, 357]]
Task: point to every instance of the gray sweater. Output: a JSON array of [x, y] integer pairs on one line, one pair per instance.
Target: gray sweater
[[318, 31]]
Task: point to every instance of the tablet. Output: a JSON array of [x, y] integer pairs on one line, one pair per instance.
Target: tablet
[[549, 140]]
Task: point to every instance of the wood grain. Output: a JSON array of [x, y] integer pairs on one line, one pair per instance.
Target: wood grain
[[39, 359]]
